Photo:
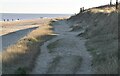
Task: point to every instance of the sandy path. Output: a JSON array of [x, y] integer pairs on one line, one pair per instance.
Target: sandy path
[[65, 57], [12, 38], [9, 29]]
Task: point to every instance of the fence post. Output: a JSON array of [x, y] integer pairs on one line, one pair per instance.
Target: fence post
[[80, 9], [110, 2], [83, 8], [116, 4]]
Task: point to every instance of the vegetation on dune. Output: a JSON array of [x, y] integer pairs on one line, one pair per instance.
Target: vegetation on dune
[[101, 31], [100, 27], [20, 57]]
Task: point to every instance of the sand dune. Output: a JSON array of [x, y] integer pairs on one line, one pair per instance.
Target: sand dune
[[86, 43], [101, 31]]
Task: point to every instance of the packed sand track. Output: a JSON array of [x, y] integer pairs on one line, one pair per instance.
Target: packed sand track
[[64, 54]]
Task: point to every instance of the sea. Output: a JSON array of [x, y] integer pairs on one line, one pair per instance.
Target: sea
[[24, 16]]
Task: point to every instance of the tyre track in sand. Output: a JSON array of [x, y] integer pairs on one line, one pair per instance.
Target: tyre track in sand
[[69, 56]]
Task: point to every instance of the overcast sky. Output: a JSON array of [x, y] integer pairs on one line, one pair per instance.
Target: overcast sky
[[48, 6]]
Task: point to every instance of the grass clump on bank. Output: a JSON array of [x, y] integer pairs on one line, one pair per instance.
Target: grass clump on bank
[[102, 43], [25, 51]]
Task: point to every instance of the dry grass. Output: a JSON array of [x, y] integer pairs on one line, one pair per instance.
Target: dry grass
[[101, 30], [22, 55], [103, 43], [103, 39], [103, 10]]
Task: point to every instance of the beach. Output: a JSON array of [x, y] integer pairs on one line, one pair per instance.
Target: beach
[[21, 41], [85, 43]]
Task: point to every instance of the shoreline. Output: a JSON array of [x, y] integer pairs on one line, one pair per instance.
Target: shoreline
[[13, 26]]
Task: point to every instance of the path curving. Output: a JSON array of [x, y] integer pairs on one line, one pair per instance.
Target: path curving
[[68, 56]]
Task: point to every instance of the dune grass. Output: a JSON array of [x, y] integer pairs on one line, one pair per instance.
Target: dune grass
[[101, 32], [103, 44], [20, 57]]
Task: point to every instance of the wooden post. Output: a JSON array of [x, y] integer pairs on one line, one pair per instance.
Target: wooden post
[[80, 9], [110, 2], [116, 4], [83, 8]]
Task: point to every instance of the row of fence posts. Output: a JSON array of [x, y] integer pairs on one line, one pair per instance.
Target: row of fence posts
[[117, 3], [82, 9], [9, 19]]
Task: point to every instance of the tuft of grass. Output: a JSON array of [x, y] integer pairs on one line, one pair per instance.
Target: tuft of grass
[[33, 39], [20, 70], [91, 49]]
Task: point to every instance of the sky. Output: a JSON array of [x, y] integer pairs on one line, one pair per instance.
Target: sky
[[48, 6]]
